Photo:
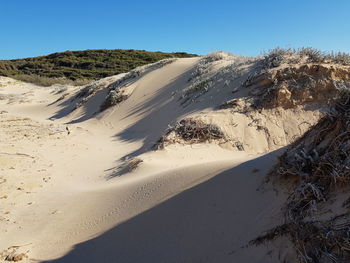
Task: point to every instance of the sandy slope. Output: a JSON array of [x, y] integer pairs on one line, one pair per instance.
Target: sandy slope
[[64, 199]]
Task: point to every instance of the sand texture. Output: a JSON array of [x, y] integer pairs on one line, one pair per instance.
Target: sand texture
[[166, 163]]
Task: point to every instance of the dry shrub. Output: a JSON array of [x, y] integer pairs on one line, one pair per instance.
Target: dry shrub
[[128, 166], [11, 254], [113, 98], [16, 257], [133, 164], [316, 241], [319, 163], [275, 57], [340, 58], [190, 131], [313, 55], [320, 160]]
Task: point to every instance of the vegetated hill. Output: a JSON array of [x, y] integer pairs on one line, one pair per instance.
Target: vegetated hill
[[80, 65]]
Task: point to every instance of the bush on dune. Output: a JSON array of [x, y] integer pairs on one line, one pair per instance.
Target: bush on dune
[[190, 131]]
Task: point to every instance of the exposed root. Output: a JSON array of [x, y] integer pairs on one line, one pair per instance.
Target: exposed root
[[133, 164]]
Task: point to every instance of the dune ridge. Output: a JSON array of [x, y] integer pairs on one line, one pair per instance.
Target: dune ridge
[[166, 163]]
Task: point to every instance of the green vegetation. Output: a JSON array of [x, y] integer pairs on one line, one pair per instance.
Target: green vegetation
[[73, 67]]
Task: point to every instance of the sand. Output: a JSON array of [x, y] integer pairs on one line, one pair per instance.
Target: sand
[[67, 193]]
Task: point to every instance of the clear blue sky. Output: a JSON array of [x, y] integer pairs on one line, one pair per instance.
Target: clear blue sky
[[247, 27]]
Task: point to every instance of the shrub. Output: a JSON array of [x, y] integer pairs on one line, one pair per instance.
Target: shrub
[[190, 131], [113, 98], [318, 163]]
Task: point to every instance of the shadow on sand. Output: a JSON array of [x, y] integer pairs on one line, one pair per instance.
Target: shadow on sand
[[161, 111], [209, 222]]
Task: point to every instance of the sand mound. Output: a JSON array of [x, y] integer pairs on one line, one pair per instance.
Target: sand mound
[[82, 180]]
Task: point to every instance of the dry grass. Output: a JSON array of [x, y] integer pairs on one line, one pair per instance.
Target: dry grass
[[133, 164], [128, 166], [46, 81]]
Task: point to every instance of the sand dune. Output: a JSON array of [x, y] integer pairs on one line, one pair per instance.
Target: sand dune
[[81, 178]]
